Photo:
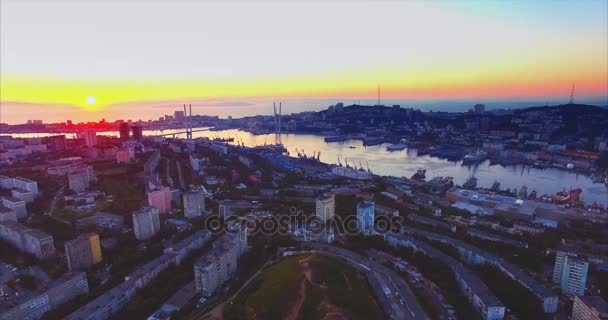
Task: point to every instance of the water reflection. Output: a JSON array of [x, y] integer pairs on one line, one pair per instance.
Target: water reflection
[[406, 162]]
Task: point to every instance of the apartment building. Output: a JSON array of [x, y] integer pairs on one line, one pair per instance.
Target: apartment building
[[15, 204], [365, 216], [146, 222], [326, 207], [161, 199], [589, 308], [194, 203], [27, 239], [220, 263], [570, 272], [83, 252], [7, 214], [33, 305]]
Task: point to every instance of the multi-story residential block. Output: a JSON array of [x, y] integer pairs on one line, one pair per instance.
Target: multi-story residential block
[[80, 177], [386, 211], [125, 155], [33, 305], [83, 252], [146, 222], [220, 263], [27, 239], [7, 214], [475, 291], [161, 199], [365, 216], [6, 182], [25, 184], [27, 196], [589, 308], [108, 304], [228, 207], [325, 207], [194, 202], [473, 256], [570, 272]]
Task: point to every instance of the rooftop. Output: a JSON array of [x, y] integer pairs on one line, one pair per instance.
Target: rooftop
[[596, 303], [12, 199]]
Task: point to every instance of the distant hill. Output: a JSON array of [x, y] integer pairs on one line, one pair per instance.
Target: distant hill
[[567, 108]]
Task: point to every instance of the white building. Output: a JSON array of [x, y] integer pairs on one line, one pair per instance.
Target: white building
[[15, 204], [25, 184], [7, 214], [365, 216], [194, 203], [146, 222], [326, 207], [570, 272]]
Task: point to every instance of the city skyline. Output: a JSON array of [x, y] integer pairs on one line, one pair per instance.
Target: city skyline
[[73, 61]]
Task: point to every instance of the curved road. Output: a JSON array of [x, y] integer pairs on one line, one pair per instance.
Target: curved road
[[391, 290]]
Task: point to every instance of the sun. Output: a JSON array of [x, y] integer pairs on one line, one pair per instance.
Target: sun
[[91, 100]]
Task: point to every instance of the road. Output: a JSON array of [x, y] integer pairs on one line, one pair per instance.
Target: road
[[58, 195], [400, 303]]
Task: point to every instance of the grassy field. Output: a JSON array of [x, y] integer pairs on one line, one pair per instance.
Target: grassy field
[[333, 287], [347, 287], [277, 290]]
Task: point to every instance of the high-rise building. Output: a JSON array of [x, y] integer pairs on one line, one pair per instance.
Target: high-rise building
[[570, 272], [83, 252], [365, 216], [89, 136], [179, 116], [161, 199], [326, 207], [220, 263], [146, 222], [123, 130], [589, 308], [194, 203], [137, 132]]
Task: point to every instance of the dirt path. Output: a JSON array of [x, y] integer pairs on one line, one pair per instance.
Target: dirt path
[[332, 312], [294, 313]]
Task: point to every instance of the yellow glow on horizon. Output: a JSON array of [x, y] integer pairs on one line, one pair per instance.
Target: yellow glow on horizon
[[529, 74]]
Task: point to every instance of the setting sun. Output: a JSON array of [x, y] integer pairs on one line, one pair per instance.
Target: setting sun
[[91, 100]]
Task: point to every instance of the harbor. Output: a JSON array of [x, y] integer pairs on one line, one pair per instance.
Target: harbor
[[407, 162]]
